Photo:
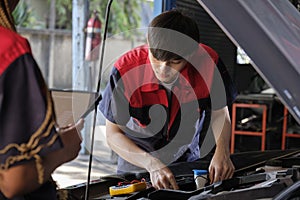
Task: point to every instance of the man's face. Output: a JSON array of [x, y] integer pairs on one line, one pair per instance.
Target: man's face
[[166, 71]]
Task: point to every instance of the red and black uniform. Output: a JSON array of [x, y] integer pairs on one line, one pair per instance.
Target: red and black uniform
[[166, 124], [27, 121]]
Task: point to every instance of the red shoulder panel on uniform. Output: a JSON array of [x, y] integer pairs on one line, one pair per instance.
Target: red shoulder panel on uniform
[[12, 46]]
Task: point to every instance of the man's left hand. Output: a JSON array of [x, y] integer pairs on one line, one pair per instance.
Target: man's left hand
[[221, 167]]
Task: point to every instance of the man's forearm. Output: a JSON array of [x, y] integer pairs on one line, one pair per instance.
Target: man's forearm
[[128, 150], [221, 126], [221, 166], [23, 179]]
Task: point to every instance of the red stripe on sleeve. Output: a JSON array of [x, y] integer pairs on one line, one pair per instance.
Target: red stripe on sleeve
[[12, 46]]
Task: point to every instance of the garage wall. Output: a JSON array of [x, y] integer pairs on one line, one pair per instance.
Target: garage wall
[[61, 54]]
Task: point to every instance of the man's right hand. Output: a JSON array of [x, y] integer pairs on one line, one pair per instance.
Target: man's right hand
[[163, 178], [71, 139]]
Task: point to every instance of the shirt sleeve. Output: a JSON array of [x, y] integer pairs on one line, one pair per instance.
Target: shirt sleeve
[[27, 120], [223, 91], [114, 105]]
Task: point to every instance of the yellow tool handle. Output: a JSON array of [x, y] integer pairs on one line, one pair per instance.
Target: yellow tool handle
[[127, 189]]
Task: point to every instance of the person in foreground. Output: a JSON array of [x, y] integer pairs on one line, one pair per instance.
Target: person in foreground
[[31, 145], [160, 97]]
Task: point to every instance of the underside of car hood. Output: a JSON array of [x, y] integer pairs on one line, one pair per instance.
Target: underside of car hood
[[268, 31]]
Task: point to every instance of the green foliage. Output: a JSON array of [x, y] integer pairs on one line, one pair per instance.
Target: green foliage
[[24, 16], [63, 14], [124, 15]]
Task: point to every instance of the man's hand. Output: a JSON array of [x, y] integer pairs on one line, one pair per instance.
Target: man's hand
[[221, 167], [163, 179], [160, 175], [71, 139]]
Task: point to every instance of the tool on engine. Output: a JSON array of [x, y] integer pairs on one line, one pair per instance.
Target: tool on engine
[[127, 187]]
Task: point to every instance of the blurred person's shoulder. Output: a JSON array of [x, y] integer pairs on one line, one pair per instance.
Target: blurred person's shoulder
[[12, 46], [12, 40]]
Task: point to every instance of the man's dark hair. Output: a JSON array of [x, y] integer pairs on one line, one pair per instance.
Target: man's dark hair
[[172, 35]]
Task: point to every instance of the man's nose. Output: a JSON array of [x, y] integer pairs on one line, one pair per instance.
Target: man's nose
[[164, 66]]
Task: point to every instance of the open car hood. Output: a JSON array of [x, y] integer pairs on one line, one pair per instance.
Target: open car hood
[[269, 32]]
